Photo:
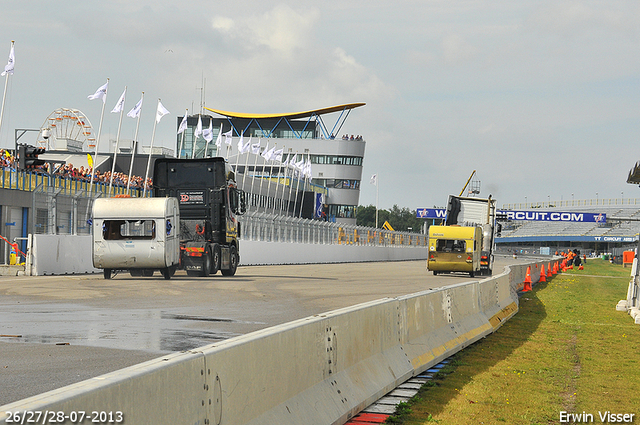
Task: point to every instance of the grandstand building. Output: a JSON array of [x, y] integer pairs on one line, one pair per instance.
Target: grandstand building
[[336, 161], [612, 234]]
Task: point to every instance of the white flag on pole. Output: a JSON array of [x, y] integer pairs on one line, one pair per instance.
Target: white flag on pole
[[241, 143], [198, 131], [247, 147], [277, 155], [265, 152], [374, 179], [162, 111], [208, 133], [101, 93], [120, 105], [183, 124], [228, 137], [135, 111], [255, 148], [219, 138], [299, 165], [8, 69], [307, 168]]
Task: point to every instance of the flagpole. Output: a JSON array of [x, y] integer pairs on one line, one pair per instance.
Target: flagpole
[[4, 96], [304, 182], [377, 175], [93, 168], [269, 185], [153, 135], [115, 152], [283, 185], [135, 145], [246, 165], [270, 175], [262, 178], [4, 93], [293, 174], [290, 186], [193, 144], [235, 172], [255, 165], [186, 113], [206, 145]]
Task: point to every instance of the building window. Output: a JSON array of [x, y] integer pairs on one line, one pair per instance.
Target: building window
[[342, 211], [336, 160]]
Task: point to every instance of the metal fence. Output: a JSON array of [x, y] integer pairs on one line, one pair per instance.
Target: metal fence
[[279, 228], [30, 181], [60, 212]]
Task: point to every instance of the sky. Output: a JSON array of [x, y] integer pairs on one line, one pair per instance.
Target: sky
[[540, 97]]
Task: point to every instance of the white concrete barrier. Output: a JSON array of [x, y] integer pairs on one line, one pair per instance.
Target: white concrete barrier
[[62, 254], [318, 370], [67, 254]]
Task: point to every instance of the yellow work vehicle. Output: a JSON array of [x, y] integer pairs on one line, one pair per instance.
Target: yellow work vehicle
[[466, 242], [454, 249]]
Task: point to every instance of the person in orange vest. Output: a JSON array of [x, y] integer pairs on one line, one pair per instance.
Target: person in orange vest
[[570, 256]]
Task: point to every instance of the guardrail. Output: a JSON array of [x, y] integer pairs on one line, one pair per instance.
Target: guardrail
[[318, 370]]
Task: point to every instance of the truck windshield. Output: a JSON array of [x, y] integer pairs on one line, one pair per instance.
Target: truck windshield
[[450, 245], [128, 229]]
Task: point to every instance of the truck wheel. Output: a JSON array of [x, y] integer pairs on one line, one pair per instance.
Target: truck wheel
[[206, 264], [435, 273], [233, 262], [215, 262], [471, 274], [166, 273], [135, 272], [107, 273], [147, 272]]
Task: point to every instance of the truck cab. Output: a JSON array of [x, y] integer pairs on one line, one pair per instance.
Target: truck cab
[[210, 203]]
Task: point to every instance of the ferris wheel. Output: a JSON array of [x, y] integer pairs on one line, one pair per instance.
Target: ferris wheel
[[67, 129]]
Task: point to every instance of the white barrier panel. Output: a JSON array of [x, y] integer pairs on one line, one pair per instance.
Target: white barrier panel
[[319, 370], [67, 254], [62, 254]]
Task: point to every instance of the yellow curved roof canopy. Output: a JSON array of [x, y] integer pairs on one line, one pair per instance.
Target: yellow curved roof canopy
[[291, 115]]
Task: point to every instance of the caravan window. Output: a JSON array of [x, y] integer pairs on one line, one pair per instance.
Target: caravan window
[[128, 229], [450, 245]]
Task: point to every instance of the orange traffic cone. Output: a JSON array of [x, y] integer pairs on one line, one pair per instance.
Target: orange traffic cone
[[527, 281], [570, 267], [555, 268], [581, 267], [549, 272], [543, 277]]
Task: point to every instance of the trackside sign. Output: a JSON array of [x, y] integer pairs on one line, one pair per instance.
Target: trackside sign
[[579, 217], [528, 215]]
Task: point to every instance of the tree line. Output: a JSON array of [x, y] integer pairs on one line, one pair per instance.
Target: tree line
[[400, 219]]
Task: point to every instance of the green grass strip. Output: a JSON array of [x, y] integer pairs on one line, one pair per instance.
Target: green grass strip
[[567, 350]]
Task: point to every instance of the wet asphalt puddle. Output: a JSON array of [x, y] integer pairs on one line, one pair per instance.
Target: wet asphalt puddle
[[161, 330]]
